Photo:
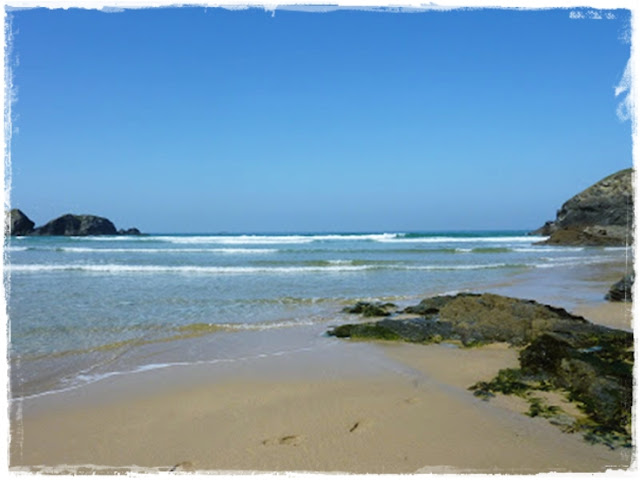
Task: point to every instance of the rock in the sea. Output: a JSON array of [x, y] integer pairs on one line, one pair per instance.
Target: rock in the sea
[[77, 225], [622, 290], [600, 215], [129, 231], [17, 223]]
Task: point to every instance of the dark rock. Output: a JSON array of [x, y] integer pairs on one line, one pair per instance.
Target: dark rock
[[17, 223], [547, 229], [369, 309], [478, 318], [600, 215], [417, 330], [432, 306], [607, 202], [129, 231], [373, 331], [77, 225], [486, 318], [546, 354], [622, 290], [596, 369], [591, 236]]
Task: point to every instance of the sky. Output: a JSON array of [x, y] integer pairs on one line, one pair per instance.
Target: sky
[[204, 120]]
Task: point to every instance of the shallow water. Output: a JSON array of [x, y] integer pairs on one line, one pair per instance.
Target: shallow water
[[86, 308]]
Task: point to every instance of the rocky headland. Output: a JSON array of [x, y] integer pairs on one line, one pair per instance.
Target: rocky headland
[[590, 365], [18, 224], [598, 216]]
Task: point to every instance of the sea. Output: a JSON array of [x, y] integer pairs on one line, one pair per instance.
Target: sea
[[84, 309]]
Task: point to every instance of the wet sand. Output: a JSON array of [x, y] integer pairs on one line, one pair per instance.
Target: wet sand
[[347, 407]]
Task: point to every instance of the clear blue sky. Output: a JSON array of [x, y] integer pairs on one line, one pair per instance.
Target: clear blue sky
[[207, 120]]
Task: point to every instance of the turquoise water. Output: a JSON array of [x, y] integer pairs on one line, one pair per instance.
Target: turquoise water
[[82, 308]]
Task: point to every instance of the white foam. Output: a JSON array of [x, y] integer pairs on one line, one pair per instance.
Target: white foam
[[338, 267], [263, 326], [183, 269], [271, 239], [466, 267], [238, 240], [578, 260], [548, 249], [570, 261], [168, 250], [111, 238], [302, 239], [527, 239]]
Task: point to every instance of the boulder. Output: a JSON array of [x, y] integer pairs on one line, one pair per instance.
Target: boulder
[[600, 215], [622, 290], [77, 225], [17, 223]]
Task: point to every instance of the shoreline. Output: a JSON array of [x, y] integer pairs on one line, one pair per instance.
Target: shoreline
[[338, 406], [246, 344]]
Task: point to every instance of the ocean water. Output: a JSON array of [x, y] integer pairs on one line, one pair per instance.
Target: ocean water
[[82, 309]]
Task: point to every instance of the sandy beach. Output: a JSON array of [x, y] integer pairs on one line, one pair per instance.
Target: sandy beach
[[356, 408], [315, 238]]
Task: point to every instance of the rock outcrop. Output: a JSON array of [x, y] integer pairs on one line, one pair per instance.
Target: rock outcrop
[[17, 223], [77, 225], [559, 351], [600, 215], [471, 319], [622, 290]]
